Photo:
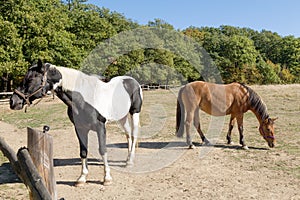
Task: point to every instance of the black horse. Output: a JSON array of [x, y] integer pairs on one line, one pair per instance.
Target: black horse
[[90, 102]]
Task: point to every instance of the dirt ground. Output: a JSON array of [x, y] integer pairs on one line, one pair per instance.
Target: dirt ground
[[165, 168]]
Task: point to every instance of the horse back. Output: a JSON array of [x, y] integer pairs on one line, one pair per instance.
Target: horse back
[[218, 99], [125, 97]]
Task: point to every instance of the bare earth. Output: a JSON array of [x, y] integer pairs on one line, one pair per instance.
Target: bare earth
[[165, 168]]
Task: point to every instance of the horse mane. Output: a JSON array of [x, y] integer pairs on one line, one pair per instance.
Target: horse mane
[[256, 103], [71, 77]]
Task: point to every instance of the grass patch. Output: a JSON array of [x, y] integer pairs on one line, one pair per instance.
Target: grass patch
[[53, 115], [2, 158]]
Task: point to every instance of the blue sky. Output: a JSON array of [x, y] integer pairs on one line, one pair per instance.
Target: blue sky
[[281, 16]]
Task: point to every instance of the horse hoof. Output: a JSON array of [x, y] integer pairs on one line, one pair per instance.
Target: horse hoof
[[107, 182], [192, 146], [79, 184], [102, 188], [129, 164], [207, 144], [245, 147]]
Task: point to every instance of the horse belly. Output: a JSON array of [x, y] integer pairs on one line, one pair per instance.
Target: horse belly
[[115, 104], [119, 110], [214, 112], [216, 108]]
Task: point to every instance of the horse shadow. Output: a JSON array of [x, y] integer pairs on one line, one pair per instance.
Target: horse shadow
[[98, 162], [230, 146], [72, 183], [60, 162], [147, 145], [8, 175], [239, 147]]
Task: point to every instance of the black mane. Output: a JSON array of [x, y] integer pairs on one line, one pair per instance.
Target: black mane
[[256, 103]]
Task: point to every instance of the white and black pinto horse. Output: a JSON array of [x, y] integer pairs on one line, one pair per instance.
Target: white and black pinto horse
[[91, 103]]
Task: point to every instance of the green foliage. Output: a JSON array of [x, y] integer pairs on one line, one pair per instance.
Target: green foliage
[[11, 58], [269, 72], [60, 33], [241, 54], [249, 56], [159, 23], [68, 32], [286, 76]]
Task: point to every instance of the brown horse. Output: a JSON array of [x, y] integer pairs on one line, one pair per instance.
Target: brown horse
[[219, 100]]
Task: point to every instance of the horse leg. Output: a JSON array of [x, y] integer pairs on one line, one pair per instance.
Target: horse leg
[[198, 127], [188, 121], [127, 128], [82, 135], [135, 131], [241, 129], [231, 124], [101, 132]]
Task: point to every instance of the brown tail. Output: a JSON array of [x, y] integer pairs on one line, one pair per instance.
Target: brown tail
[[180, 115]]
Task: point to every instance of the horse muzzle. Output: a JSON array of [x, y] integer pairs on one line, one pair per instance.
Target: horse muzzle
[[271, 144], [16, 104]]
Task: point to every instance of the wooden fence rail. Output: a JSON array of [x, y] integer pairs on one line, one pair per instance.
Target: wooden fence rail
[[4, 97], [5, 93]]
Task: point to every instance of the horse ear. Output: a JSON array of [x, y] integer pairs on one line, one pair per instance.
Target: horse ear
[[40, 66], [273, 119], [40, 63]]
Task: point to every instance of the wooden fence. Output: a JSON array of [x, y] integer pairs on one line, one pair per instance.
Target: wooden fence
[[155, 87], [4, 97], [34, 164]]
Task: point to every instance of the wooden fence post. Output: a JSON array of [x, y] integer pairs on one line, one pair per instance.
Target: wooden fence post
[[31, 177], [40, 147]]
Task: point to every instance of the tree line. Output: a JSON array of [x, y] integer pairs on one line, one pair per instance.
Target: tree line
[[66, 32]]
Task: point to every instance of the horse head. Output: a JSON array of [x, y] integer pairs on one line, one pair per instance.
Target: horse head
[[266, 129], [34, 86]]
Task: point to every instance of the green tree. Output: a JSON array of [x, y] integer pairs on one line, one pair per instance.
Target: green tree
[[66, 32], [290, 56], [11, 57], [269, 72], [241, 53], [268, 44], [42, 27], [159, 23]]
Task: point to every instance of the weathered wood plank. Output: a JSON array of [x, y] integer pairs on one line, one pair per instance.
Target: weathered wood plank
[[31, 177], [40, 147]]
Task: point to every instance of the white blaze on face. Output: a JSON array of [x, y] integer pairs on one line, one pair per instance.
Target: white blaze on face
[[58, 84]]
